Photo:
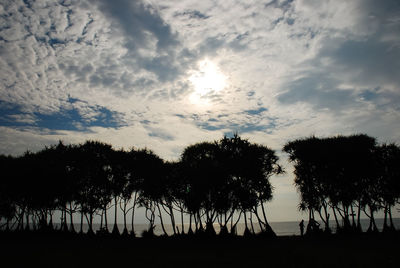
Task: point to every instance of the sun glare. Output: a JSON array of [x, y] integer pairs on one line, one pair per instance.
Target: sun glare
[[208, 79]]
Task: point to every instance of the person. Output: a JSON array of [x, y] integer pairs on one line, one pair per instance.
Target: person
[[301, 224]]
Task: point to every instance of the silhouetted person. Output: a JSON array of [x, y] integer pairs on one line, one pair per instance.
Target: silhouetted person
[[301, 224]]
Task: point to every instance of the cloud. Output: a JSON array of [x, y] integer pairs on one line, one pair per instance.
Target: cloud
[[351, 73], [132, 59], [119, 71], [192, 14]]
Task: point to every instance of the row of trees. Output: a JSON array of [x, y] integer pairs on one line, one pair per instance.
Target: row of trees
[[212, 182], [221, 181], [347, 176]]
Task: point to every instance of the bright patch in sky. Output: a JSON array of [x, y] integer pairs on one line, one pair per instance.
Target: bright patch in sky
[[208, 79]]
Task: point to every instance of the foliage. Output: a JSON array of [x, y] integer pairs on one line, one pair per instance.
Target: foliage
[[346, 174]]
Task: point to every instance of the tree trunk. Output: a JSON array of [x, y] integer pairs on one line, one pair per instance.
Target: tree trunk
[[133, 214], [385, 225], [264, 214], [27, 221], [373, 222], [327, 216], [260, 223], [352, 217], [372, 225], [233, 228], [359, 228], [190, 224], [101, 220], [196, 228], [105, 218], [199, 220], [183, 226], [81, 229], [336, 219], [115, 211], [21, 220], [72, 228], [392, 228], [65, 225], [171, 214], [231, 223], [115, 230], [124, 211], [51, 226], [161, 219], [346, 217], [251, 223], [90, 223]]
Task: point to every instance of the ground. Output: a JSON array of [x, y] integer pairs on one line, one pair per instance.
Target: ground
[[332, 251]]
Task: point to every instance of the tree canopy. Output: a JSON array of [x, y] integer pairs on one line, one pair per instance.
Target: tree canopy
[[210, 183], [346, 175]]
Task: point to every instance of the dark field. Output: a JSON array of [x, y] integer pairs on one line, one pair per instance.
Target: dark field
[[333, 251]]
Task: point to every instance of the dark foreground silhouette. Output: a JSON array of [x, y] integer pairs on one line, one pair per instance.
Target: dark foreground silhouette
[[61, 250], [213, 182], [220, 182]]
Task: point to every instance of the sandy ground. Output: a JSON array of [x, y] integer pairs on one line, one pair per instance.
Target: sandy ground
[[332, 251]]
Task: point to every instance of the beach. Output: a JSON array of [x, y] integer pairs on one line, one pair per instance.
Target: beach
[[362, 250]]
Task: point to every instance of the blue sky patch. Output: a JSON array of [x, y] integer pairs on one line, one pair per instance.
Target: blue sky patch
[[256, 111], [66, 119]]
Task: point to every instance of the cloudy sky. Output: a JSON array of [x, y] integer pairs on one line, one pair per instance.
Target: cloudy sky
[[165, 74]]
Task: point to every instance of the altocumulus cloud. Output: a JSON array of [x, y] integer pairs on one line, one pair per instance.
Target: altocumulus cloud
[[119, 71], [75, 65]]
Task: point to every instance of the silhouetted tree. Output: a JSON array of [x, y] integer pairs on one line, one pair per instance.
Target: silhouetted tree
[[337, 172], [388, 169], [213, 182], [229, 175], [94, 186], [118, 181], [149, 173], [307, 159], [200, 165], [8, 207]]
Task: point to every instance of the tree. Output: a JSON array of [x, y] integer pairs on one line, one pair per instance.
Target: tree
[[148, 173], [248, 168], [308, 159], [118, 181], [202, 174], [93, 169], [388, 161], [8, 207], [229, 175], [336, 172]]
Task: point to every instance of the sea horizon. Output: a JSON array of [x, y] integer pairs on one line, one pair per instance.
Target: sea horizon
[[281, 228]]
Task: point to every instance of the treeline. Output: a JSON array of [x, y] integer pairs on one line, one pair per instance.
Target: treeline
[[224, 181], [346, 176], [213, 182]]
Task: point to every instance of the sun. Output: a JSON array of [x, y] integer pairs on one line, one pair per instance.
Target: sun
[[207, 79]]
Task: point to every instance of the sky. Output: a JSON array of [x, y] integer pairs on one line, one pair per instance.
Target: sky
[[166, 74]]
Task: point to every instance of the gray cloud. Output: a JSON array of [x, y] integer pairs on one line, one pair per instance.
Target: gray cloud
[[191, 14], [320, 91], [143, 28], [137, 20], [370, 61], [345, 71]]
